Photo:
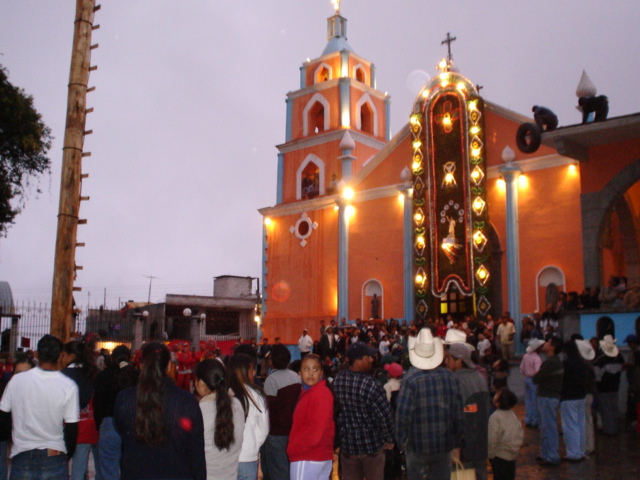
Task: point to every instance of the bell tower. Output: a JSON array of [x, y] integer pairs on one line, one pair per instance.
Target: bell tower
[[337, 94]]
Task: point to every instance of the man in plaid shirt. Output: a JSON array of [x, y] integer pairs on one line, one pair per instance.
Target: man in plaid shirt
[[430, 413], [365, 420]]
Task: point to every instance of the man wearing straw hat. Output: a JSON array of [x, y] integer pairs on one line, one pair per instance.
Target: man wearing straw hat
[[430, 412], [608, 367]]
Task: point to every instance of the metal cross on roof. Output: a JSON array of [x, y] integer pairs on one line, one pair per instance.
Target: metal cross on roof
[[448, 41]]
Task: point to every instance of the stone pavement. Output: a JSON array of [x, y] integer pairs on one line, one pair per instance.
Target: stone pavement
[[615, 458]]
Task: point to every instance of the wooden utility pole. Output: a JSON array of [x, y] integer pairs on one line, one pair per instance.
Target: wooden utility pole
[[70, 185]]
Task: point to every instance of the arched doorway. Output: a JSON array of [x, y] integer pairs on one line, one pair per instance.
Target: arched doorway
[[610, 220]]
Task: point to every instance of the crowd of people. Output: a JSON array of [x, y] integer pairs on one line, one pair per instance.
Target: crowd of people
[[580, 380], [372, 400]]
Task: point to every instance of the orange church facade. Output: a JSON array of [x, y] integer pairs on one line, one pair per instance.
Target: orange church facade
[[345, 225]]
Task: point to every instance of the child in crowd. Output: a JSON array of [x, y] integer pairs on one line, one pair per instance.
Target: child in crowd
[[505, 436]]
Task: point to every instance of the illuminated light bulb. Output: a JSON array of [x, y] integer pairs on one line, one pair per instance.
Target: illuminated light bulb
[[474, 130], [443, 64], [444, 83], [417, 144], [415, 166], [414, 119], [523, 181], [473, 105], [420, 241], [419, 278], [478, 205], [348, 193], [418, 217], [482, 274], [477, 175], [425, 93], [336, 208], [501, 183], [350, 211], [475, 152], [460, 86], [446, 120], [401, 197], [267, 221], [449, 178], [573, 168]]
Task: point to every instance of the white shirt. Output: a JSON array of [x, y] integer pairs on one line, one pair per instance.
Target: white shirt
[[482, 346], [384, 347], [256, 427], [39, 402], [305, 343]]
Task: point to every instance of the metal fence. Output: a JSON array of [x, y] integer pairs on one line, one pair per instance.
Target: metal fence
[[109, 327]]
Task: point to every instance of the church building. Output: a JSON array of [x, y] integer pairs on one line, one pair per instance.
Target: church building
[[446, 217]]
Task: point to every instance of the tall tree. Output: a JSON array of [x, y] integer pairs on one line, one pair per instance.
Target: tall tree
[[24, 143]]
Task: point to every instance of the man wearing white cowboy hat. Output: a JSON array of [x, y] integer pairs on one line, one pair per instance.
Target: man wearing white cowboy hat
[[457, 336], [430, 412], [529, 366], [608, 367]]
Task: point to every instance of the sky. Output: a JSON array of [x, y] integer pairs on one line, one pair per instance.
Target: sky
[[190, 104]]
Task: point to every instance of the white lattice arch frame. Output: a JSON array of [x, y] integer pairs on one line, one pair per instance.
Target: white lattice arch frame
[[369, 293], [320, 164], [360, 67], [305, 113], [366, 99], [559, 275], [319, 69]]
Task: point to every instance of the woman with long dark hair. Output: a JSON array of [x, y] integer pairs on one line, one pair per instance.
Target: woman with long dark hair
[[241, 372], [78, 360], [223, 421], [160, 424], [120, 374]]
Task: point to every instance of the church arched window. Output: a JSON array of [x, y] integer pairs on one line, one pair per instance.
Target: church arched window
[[549, 281], [315, 116], [367, 115], [366, 119], [322, 73], [359, 74], [372, 300], [310, 178]]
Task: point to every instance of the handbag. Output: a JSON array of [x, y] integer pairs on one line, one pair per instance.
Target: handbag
[[461, 473]]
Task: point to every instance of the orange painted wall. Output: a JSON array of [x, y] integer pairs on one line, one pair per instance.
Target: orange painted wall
[[500, 132], [605, 162], [550, 229], [331, 95], [363, 153], [333, 62], [301, 281], [356, 94], [375, 252], [388, 171], [327, 152]]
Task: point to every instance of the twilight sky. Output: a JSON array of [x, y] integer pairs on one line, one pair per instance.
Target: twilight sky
[[190, 103]]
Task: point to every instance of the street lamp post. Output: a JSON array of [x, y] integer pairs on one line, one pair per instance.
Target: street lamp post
[[139, 318], [196, 324]]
